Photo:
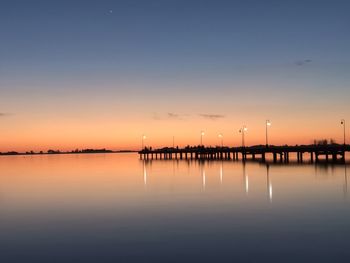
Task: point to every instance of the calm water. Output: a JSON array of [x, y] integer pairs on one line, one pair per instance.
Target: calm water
[[116, 208]]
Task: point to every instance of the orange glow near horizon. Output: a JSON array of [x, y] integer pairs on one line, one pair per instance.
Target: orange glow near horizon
[[126, 134], [116, 120]]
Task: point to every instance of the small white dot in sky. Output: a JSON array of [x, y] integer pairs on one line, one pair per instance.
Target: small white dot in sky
[[111, 11]]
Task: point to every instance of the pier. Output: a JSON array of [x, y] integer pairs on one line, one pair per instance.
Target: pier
[[314, 153]]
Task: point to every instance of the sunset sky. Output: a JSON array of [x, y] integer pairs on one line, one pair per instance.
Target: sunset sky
[[99, 74]]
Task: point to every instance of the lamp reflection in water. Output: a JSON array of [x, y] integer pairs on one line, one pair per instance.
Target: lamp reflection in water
[[144, 173], [345, 183], [221, 172], [203, 178], [245, 179], [269, 184], [202, 173]]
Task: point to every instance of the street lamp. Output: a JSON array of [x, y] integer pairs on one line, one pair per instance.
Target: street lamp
[[243, 131], [143, 138], [268, 124], [202, 134], [342, 122], [222, 139]]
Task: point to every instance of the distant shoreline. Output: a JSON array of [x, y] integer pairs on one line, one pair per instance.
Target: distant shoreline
[[65, 153]]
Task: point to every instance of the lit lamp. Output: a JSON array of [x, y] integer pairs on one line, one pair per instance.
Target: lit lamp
[[268, 124], [342, 122], [202, 134], [222, 139], [143, 138], [243, 130]]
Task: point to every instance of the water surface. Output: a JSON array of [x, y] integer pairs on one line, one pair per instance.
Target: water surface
[[117, 208]]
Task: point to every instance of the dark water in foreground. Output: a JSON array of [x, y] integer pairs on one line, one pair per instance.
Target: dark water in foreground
[[116, 208]]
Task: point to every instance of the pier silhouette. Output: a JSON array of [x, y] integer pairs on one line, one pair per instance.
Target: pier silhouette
[[315, 153]]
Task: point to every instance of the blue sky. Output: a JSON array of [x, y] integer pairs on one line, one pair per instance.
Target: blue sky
[[111, 37]]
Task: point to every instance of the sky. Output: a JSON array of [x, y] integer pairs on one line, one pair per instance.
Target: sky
[[100, 74]]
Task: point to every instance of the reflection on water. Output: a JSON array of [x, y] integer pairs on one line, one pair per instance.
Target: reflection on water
[[144, 173], [345, 182], [269, 184], [319, 171], [245, 178], [117, 208], [146, 165], [221, 173], [203, 177]]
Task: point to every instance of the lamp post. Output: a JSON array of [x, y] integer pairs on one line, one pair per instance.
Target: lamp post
[[222, 139], [143, 138], [173, 142], [202, 134], [268, 124], [242, 131], [342, 122]]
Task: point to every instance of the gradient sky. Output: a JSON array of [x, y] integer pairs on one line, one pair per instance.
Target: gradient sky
[[78, 74]]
